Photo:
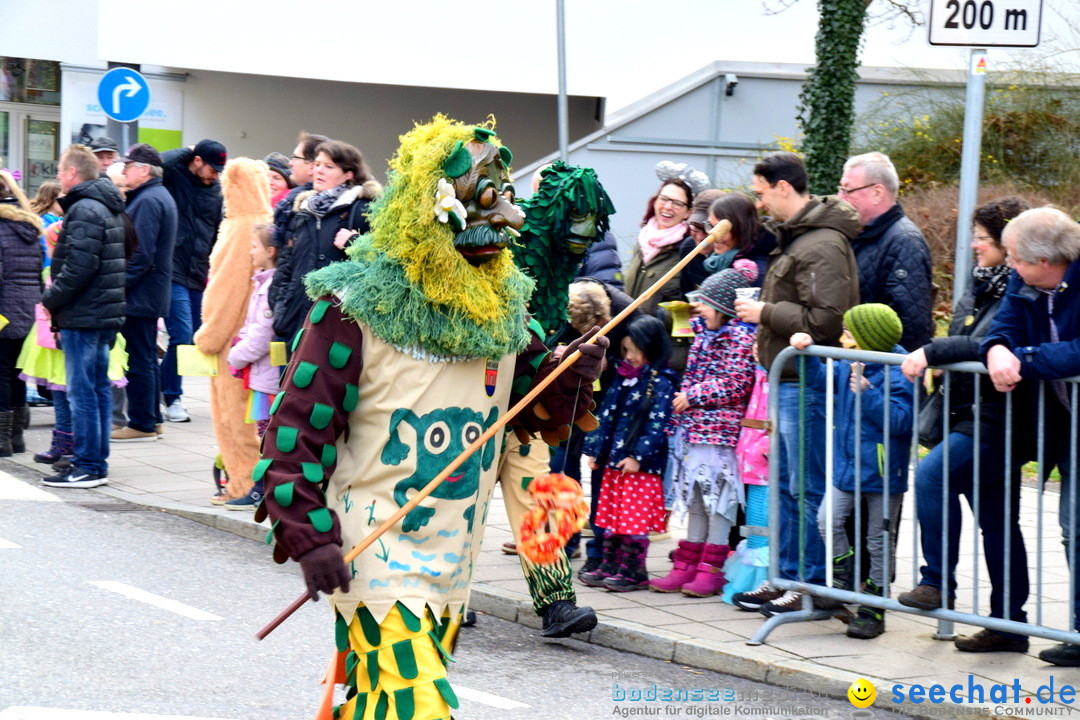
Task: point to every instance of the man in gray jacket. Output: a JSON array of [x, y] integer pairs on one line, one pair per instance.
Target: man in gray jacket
[[811, 282]]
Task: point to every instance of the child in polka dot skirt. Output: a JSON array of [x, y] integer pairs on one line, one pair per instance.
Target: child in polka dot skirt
[[631, 446]]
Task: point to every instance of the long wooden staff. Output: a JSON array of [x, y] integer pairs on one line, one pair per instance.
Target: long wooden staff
[[722, 228]]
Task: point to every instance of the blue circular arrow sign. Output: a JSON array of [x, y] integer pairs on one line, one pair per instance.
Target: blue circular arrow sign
[[123, 94]]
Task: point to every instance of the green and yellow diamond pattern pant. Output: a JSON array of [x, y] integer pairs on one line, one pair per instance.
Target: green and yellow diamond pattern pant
[[396, 670]]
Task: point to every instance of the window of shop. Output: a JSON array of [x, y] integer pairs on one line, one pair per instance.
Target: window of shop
[[23, 80], [29, 119]]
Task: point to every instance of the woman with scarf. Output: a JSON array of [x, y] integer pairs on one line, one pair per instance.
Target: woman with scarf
[[971, 320], [664, 233], [327, 219], [748, 237]]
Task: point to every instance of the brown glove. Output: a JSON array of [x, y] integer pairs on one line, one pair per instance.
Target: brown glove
[[589, 365], [324, 570]]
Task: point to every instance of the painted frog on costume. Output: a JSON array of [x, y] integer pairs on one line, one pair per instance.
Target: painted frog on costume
[[441, 435]]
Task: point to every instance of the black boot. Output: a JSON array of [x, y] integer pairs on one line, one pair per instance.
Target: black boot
[[609, 564], [6, 421], [869, 622], [843, 570], [563, 618], [632, 574], [18, 424]]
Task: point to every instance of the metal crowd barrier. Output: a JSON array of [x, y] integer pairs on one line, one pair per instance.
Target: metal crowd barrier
[[945, 617]]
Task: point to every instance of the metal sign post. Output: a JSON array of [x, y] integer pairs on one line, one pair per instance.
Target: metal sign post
[[564, 115], [969, 169], [978, 24]]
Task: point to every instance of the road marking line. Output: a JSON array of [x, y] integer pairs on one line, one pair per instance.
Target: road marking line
[[8, 545], [156, 600], [11, 488], [486, 698], [41, 713]]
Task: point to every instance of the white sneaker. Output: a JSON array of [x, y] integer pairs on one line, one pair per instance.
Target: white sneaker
[[177, 413]]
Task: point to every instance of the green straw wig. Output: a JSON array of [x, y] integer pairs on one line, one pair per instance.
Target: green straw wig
[[406, 280]]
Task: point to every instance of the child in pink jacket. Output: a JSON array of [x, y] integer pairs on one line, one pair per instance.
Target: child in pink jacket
[[250, 353], [748, 566]]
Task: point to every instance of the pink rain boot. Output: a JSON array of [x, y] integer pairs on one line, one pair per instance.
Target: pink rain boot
[[709, 579], [686, 559]]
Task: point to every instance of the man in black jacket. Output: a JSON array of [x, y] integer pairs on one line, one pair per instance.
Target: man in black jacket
[[86, 300], [893, 257], [191, 177], [148, 284]]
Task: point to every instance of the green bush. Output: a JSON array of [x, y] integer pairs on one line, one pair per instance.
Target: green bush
[[1031, 136]]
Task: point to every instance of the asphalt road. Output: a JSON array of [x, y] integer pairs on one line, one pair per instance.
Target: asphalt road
[[110, 610]]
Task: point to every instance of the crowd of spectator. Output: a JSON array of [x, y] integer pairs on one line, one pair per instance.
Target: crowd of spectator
[[104, 264]]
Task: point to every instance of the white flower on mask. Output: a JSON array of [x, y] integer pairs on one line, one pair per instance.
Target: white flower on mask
[[447, 205]]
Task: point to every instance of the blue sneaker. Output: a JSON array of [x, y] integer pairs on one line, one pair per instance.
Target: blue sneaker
[[248, 502]]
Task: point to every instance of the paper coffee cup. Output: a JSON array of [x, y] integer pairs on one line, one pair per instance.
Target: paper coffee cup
[[748, 293]]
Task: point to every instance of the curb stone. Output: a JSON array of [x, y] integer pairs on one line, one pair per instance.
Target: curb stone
[[616, 634]]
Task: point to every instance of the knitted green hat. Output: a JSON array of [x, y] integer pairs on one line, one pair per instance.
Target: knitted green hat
[[874, 326]]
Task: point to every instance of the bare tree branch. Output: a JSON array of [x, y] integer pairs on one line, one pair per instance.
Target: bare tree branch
[[889, 10]]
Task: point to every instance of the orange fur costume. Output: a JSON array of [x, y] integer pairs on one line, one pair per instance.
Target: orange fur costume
[[246, 190]]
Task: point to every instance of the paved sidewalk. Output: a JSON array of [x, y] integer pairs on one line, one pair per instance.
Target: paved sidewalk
[[174, 473]]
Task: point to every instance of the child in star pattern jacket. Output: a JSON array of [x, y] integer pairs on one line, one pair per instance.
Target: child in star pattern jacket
[[631, 446], [709, 406]]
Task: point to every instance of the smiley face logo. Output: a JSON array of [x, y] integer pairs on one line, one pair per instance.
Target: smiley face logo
[[861, 693]]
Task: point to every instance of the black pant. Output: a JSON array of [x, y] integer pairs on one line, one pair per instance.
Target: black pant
[[12, 389], [144, 382]]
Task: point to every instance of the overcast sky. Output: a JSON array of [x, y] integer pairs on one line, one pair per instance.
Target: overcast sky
[[620, 49]]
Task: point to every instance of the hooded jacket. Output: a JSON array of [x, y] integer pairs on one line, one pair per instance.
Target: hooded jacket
[[603, 263], [718, 380], [619, 436], [895, 269], [87, 291], [200, 209], [20, 269], [311, 246], [812, 278], [252, 348], [869, 431], [149, 272]]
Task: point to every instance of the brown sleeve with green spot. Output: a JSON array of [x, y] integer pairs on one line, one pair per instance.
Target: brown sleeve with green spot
[[318, 391], [565, 399]]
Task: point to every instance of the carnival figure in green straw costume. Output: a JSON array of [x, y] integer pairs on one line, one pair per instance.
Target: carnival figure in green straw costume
[[413, 344]]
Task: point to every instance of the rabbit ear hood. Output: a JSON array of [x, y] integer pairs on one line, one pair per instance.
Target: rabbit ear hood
[[245, 187]]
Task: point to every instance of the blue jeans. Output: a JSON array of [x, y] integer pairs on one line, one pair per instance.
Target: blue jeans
[[86, 361], [1065, 512], [184, 318], [996, 528], [811, 477], [142, 375], [63, 411]]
